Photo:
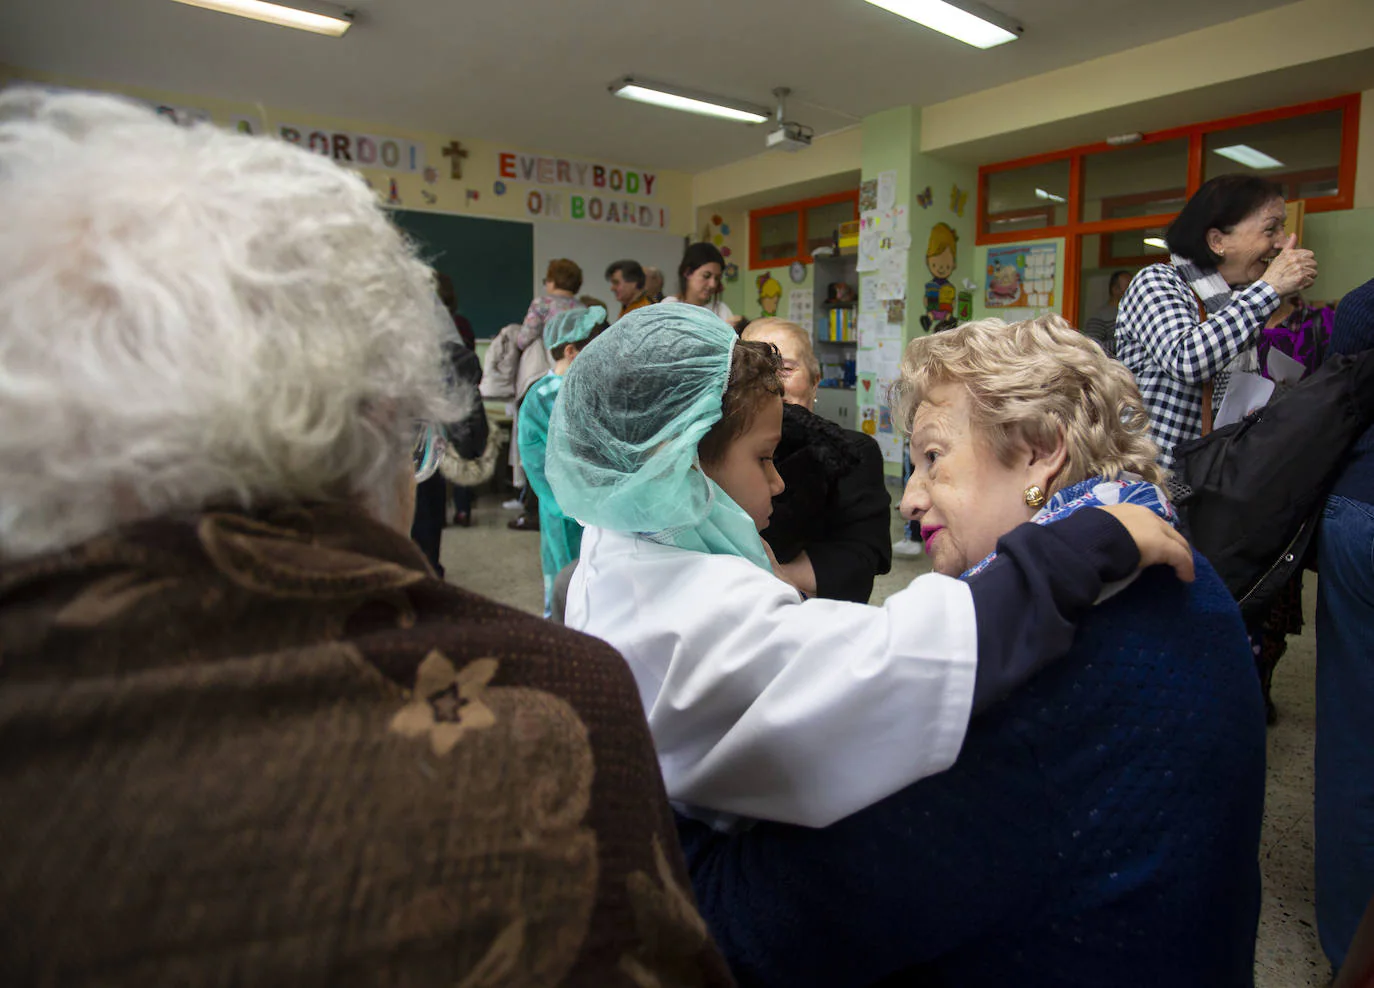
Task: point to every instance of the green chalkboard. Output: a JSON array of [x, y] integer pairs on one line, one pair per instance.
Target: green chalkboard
[[491, 263]]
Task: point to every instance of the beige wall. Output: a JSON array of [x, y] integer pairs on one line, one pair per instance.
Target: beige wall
[[1255, 47], [1364, 166], [830, 155]]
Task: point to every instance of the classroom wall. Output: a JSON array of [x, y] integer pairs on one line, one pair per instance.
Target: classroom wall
[[1246, 48], [765, 281], [933, 191], [481, 191], [981, 310], [728, 229], [1343, 241], [831, 154]]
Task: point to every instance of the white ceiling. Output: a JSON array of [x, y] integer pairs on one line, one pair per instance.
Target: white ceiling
[[533, 73]]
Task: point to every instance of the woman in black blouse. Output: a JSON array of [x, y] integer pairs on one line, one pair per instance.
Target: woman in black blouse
[[831, 526]]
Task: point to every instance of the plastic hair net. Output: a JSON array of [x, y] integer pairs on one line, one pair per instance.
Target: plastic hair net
[[623, 438], [572, 326]]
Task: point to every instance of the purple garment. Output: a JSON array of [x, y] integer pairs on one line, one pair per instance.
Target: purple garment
[[1305, 336], [541, 310]]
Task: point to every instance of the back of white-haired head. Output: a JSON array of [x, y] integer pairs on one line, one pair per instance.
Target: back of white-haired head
[[190, 318]]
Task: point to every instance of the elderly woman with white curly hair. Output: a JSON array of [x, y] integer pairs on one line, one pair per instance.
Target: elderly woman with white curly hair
[[1101, 825], [245, 733]]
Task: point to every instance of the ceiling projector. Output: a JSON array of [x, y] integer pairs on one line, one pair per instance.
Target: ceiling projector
[[788, 137]]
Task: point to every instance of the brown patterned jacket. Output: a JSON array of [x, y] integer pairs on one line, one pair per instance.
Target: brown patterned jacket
[[276, 750]]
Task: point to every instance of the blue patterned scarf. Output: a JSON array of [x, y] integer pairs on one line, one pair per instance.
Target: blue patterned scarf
[[1094, 493]]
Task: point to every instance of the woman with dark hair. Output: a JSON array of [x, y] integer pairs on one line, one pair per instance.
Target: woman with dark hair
[[449, 296], [1182, 323], [699, 281]]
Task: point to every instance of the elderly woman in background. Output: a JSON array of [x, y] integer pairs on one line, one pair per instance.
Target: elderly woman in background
[[246, 733], [1181, 324], [831, 524], [1101, 826], [653, 283]]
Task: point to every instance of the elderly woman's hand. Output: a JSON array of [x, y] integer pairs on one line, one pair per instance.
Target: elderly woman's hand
[[1294, 269], [1158, 542]]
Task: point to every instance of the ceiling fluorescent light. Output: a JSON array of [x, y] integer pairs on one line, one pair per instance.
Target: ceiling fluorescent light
[[1246, 155], [965, 21], [1156, 242], [675, 98], [1042, 194], [318, 18]]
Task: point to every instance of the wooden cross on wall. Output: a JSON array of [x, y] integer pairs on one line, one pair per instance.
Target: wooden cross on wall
[[455, 152]]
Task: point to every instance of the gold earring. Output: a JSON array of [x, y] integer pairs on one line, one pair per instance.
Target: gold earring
[[1033, 496]]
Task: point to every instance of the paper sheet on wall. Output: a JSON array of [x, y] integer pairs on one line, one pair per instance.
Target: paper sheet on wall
[[801, 306], [892, 264], [868, 294], [891, 288], [868, 195], [870, 329], [868, 250], [867, 389], [887, 190], [889, 354], [889, 442], [866, 362]]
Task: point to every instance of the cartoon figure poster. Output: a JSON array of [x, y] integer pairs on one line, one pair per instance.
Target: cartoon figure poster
[[1022, 277], [770, 293], [941, 258]]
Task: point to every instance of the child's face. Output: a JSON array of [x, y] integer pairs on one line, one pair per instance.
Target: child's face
[[746, 471], [941, 264]]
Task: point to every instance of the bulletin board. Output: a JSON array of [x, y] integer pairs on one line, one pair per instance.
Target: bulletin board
[[594, 247], [490, 261]]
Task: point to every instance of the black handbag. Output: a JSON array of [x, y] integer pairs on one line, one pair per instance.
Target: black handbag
[[1250, 494]]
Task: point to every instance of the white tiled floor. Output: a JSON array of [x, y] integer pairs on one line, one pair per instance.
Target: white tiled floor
[[1287, 952]]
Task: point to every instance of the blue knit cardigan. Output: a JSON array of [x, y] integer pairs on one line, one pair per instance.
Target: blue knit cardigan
[[1101, 827]]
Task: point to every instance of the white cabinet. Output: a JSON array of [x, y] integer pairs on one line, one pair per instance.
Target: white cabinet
[[837, 405]]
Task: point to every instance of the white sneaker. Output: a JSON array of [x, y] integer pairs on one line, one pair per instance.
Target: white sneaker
[[514, 504], [908, 548]]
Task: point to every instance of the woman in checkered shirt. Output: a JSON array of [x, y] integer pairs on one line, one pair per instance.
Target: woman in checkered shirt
[[1182, 323]]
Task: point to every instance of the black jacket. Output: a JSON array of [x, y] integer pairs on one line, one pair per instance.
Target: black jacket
[[468, 435], [835, 507]]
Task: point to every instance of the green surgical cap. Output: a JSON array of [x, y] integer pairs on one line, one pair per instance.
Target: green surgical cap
[[572, 326], [622, 450]]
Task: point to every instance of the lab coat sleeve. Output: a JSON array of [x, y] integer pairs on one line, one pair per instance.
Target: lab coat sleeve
[[803, 712]]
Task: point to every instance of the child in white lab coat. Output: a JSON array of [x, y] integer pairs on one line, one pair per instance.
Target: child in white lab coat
[[762, 704]]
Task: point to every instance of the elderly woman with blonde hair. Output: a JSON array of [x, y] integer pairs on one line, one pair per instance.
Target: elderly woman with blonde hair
[[1101, 825], [830, 529], [247, 734]]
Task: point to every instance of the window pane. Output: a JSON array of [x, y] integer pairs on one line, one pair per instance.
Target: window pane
[[778, 236], [1095, 279], [1137, 180], [1130, 249], [1303, 154], [822, 222], [1028, 198]]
